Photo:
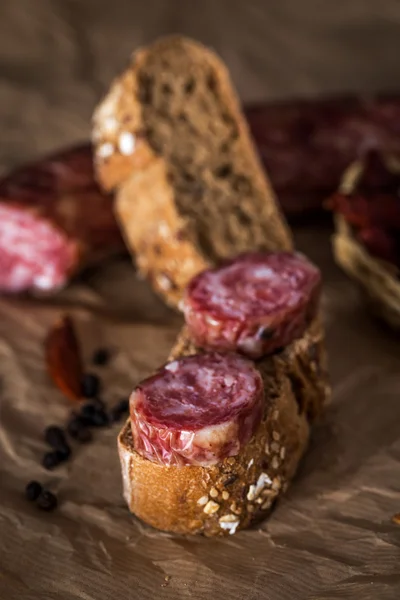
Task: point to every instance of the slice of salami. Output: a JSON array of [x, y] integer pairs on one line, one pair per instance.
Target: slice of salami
[[197, 410], [253, 304], [54, 221]]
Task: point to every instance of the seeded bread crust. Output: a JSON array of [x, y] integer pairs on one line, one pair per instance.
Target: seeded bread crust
[[379, 283], [241, 490], [171, 139]]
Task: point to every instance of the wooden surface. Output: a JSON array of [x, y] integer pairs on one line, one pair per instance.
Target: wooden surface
[[58, 56]]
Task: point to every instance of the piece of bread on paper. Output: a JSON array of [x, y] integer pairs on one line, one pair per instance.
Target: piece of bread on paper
[[232, 495]]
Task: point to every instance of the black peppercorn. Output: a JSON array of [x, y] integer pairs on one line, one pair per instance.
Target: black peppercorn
[[90, 385], [101, 357], [53, 459], [64, 452], [77, 429], [47, 501], [87, 411], [33, 490], [100, 419], [99, 403], [54, 436], [93, 415]]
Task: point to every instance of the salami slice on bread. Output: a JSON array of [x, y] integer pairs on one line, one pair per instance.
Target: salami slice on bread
[[222, 498], [197, 410], [253, 304], [171, 139]]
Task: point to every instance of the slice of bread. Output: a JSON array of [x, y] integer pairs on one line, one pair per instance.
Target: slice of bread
[[241, 490], [171, 138]]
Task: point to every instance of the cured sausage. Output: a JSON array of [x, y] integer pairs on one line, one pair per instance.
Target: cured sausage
[[306, 145], [380, 210], [254, 304], [54, 221], [381, 243], [197, 410], [369, 203]]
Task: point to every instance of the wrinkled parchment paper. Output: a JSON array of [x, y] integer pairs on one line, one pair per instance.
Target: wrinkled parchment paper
[[330, 537]]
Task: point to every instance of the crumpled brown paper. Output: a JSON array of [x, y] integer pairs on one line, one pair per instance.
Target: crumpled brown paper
[[330, 537]]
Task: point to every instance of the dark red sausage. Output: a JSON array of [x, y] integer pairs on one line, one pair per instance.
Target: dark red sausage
[[381, 243], [197, 410], [365, 211], [253, 304], [54, 220], [306, 145], [373, 201], [372, 206]]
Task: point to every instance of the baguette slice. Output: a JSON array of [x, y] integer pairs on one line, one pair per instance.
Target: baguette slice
[[241, 490], [171, 138]]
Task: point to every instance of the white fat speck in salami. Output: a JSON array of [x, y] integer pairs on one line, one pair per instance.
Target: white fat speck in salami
[[197, 410], [254, 304]]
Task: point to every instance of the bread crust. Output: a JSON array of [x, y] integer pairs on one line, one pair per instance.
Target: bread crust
[[241, 490], [154, 230], [166, 243]]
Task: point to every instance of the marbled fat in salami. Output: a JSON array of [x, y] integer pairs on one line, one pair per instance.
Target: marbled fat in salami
[[197, 410], [54, 221], [253, 304], [33, 254]]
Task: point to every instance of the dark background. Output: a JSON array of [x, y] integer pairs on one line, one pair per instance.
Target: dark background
[[58, 56]]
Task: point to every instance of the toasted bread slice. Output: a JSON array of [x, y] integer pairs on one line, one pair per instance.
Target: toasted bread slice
[[241, 490], [170, 137]]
